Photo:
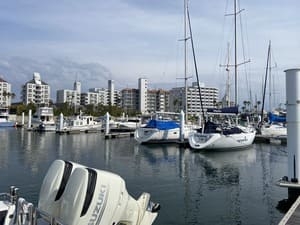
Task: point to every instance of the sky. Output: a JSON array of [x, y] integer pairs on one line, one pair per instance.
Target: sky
[[123, 40]]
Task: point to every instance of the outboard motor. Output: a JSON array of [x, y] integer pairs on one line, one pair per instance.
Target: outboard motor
[[73, 194], [53, 186], [97, 197]]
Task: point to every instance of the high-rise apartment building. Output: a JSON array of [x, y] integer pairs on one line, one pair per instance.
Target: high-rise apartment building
[[5, 93], [36, 91], [143, 91], [209, 97], [72, 97]]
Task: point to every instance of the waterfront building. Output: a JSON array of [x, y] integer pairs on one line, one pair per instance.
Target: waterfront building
[[157, 101], [36, 91], [102, 96], [5, 93], [209, 97], [130, 99], [143, 91], [72, 97]]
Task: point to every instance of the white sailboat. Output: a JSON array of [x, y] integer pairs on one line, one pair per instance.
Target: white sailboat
[[223, 135], [276, 125], [73, 194], [162, 130]]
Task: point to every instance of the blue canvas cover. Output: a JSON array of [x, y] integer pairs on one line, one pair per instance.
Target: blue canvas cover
[[276, 118], [162, 124]]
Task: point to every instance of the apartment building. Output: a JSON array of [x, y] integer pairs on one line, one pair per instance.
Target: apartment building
[[209, 97], [36, 91], [71, 96], [5, 93]]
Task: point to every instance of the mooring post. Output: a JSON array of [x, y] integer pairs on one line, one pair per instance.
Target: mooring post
[[29, 119], [107, 123], [293, 131], [182, 122]]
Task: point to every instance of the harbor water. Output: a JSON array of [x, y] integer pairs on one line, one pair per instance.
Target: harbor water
[[211, 188]]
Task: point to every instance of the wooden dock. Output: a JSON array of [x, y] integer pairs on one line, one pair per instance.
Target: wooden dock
[[119, 135], [292, 217]]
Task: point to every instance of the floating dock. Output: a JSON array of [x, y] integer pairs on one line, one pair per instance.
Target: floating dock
[[271, 139], [119, 135]]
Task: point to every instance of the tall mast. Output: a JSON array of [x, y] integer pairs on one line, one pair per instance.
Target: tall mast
[[235, 57], [185, 61], [270, 80]]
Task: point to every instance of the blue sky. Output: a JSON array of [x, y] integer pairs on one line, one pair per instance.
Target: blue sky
[[96, 40]]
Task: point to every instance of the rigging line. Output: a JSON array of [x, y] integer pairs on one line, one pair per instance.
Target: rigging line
[[244, 55], [195, 62]]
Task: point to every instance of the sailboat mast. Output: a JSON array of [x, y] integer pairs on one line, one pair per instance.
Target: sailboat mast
[[270, 81], [265, 83], [185, 61], [235, 56]]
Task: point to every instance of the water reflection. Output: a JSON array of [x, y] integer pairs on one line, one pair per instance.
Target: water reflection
[[235, 187]]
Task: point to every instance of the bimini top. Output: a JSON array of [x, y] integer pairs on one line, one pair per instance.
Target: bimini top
[[162, 124]]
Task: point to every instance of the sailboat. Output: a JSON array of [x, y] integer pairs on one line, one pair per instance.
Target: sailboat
[[276, 125], [223, 134], [162, 130]]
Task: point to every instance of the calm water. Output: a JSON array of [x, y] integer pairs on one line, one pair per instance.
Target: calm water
[[235, 187]]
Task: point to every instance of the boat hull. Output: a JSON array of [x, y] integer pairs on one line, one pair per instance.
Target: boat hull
[[153, 135], [7, 124], [203, 141]]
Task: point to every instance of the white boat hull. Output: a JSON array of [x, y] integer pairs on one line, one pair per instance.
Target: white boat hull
[[273, 130], [220, 141], [154, 135]]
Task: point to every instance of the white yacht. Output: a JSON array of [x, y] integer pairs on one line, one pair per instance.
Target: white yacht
[[4, 118], [73, 194], [80, 123], [43, 119]]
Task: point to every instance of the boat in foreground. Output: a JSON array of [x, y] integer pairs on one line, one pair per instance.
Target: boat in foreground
[[72, 194]]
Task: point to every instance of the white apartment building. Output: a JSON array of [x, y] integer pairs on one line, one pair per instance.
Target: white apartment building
[[36, 91], [143, 91], [209, 97], [72, 97], [102, 96], [5, 93]]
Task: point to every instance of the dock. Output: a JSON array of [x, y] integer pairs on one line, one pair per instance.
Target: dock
[[293, 215], [119, 135], [271, 139]]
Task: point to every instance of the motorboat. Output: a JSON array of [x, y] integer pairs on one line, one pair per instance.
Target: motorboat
[[73, 194], [4, 118], [80, 123], [43, 119]]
